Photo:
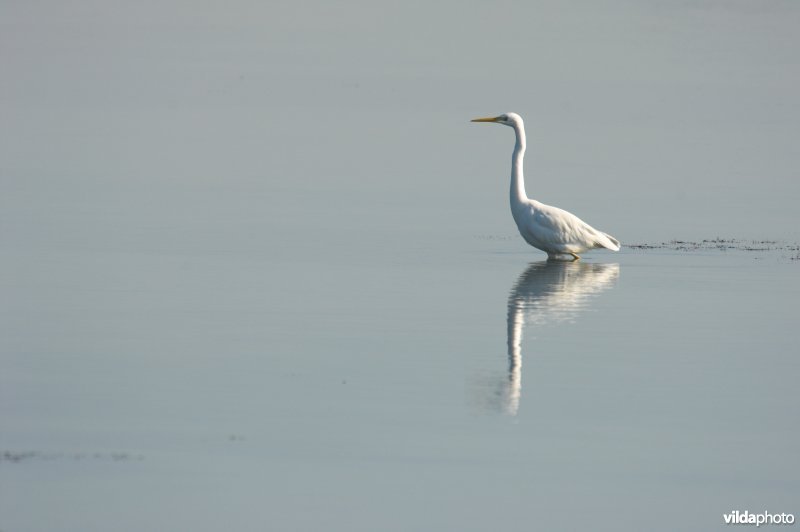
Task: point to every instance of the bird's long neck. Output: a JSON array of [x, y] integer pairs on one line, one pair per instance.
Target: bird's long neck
[[518, 196]]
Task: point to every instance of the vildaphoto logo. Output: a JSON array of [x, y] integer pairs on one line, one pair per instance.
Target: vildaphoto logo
[[746, 518]]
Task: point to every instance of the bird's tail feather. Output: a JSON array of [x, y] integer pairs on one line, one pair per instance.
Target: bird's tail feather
[[609, 242]]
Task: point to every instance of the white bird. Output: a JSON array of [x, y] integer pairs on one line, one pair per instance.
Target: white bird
[[559, 233]]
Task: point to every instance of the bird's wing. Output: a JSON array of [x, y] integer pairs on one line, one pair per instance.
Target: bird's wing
[[559, 227]]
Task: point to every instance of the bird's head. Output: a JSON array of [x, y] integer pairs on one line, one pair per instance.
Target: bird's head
[[507, 119]]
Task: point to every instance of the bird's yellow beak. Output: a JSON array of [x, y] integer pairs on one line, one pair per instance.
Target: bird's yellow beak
[[487, 119]]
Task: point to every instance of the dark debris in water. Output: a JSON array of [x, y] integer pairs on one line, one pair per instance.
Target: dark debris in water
[[724, 244], [24, 456]]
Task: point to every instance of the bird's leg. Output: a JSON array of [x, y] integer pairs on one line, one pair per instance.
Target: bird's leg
[[576, 257]]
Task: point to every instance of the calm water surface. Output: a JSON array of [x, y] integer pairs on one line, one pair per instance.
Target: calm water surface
[[257, 269], [443, 390]]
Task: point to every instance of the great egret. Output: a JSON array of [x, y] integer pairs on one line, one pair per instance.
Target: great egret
[[560, 234]]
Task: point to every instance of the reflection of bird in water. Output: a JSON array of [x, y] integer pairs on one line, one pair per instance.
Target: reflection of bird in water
[[548, 292]]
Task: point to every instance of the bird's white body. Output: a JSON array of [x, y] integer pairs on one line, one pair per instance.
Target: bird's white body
[[559, 233]]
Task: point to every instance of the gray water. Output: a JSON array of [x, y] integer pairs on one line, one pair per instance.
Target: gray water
[[258, 271]]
